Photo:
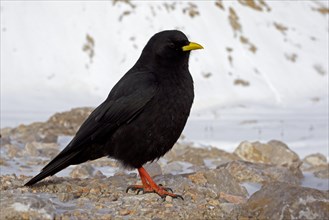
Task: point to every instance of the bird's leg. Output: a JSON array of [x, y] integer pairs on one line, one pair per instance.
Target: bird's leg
[[149, 186], [145, 187]]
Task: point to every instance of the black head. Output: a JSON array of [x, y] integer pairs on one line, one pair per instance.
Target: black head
[[167, 48]]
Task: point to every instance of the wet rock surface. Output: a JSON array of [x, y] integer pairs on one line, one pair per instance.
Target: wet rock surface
[[284, 201], [257, 181], [316, 164], [274, 152]]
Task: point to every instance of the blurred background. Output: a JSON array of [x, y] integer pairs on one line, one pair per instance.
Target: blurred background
[[263, 73]]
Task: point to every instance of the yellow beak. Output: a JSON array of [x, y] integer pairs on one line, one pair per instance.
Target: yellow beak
[[192, 46]]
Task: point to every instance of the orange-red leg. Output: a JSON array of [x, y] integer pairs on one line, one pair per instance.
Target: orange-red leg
[[149, 186]]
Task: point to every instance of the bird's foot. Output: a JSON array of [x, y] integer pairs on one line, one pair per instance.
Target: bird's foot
[[140, 188], [164, 191], [160, 190], [149, 186], [166, 188]]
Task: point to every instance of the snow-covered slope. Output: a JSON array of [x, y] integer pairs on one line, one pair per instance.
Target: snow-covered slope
[[56, 55]]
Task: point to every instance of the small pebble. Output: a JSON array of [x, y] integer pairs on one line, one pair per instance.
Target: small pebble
[[169, 199]]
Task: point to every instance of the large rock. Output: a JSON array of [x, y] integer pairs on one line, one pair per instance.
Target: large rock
[[197, 156], [221, 179], [314, 160], [284, 201], [22, 133], [82, 171], [316, 164], [245, 171], [65, 123], [274, 152]]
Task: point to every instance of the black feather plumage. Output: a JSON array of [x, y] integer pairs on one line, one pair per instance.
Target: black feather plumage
[[144, 114]]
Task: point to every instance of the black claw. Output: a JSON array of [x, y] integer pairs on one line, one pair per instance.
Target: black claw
[[179, 196], [131, 188], [163, 197], [139, 190], [166, 188], [169, 189]]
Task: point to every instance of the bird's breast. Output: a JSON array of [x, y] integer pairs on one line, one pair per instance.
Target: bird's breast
[[170, 110], [156, 129]]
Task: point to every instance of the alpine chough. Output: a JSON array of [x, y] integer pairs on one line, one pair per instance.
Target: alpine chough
[[142, 117]]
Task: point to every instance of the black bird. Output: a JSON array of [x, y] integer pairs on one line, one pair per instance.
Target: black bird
[[142, 117]]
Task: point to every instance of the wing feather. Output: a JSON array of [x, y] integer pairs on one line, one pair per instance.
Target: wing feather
[[126, 101]]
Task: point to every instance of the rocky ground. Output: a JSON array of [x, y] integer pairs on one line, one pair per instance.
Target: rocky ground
[[256, 181]]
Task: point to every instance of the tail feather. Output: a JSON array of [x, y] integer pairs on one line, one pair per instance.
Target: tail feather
[[56, 165]]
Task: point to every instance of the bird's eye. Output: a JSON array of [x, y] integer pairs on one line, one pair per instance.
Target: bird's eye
[[171, 45]]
